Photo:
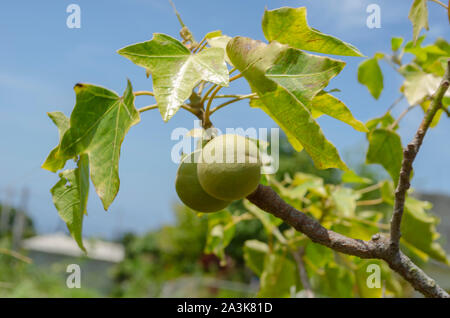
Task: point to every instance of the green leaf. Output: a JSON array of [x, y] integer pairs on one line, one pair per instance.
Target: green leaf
[[290, 26], [284, 89], [384, 121], [213, 34], [70, 196], [278, 277], [385, 148], [303, 75], [345, 200], [337, 281], [351, 177], [419, 229], [418, 14], [53, 162], [254, 254], [220, 233], [221, 42], [418, 85], [324, 103], [396, 43], [98, 125], [175, 71], [370, 75]]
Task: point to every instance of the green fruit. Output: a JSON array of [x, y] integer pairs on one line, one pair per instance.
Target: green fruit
[[230, 167], [189, 189]]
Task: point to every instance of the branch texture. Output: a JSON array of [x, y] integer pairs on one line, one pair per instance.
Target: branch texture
[[409, 154], [379, 247], [268, 200]]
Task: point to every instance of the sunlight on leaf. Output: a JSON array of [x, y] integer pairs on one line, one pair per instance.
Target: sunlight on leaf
[[290, 26], [98, 125], [175, 71]]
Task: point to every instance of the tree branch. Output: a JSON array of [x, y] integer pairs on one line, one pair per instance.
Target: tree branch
[[409, 154], [268, 200]]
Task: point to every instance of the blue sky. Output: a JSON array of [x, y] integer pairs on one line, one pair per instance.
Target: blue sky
[[41, 59]]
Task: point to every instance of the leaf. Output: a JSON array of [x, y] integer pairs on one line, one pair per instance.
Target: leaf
[[396, 43], [418, 85], [351, 177], [278, 277], [385, 148], [53, 163], [289, 77], [213, 34], [370, 75], [345, 200], [384, 121], [254, 255], [290, 26], [221, 42], [220, 233], [418, 15], [324, 103], [70, 196], [337, 281], [419, 229], [98, 125], [303, 75], [175, 71]]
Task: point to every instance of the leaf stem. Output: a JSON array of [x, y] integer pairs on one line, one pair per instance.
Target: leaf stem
[[208, 106], [370, 202], [149, 107], [16, 255], [409, 154], [370, 188], [401, 116], [439, 2], [142, 93], [237, 99]]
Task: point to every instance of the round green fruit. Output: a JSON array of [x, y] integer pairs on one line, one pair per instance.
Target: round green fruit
[[230, 167], [189, 189]]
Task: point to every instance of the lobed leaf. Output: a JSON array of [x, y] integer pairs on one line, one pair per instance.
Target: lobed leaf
[[290, 26], [70, 196], [175, 71], [98, 125], [324, 103], [284, 80]]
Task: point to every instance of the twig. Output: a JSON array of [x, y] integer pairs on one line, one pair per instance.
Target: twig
[[409, 154], [378, 248], [440, 3], [149, 107], [370, 202], [16, 255], [401, 116], [298, 257], [237, 99], [141, 93], [371, 188], [395, 103]]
